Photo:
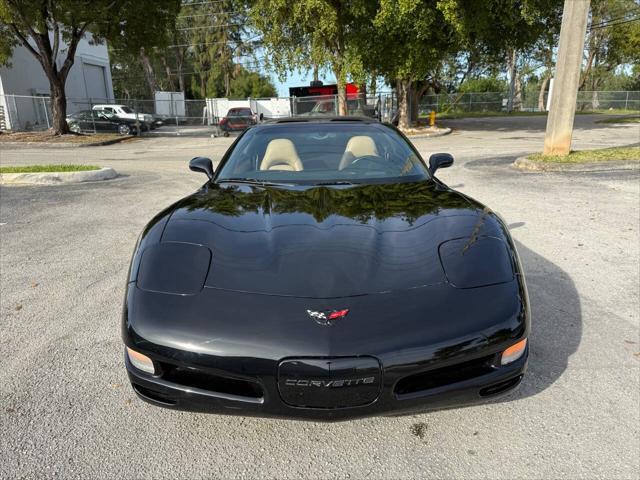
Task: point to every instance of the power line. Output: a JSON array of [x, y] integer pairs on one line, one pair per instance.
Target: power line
[[210, 14], [613, 24], [189, 4], [242, 42], [611, 20], [211, 26], [249, 64]]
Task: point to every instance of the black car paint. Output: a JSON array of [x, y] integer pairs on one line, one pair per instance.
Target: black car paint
[[430, 277], [94, 121]]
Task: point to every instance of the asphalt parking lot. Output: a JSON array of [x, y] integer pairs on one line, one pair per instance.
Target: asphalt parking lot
[[66, 408]]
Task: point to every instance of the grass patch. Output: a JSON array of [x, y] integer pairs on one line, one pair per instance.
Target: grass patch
[[48, 168], [632, 119], [591, 156]]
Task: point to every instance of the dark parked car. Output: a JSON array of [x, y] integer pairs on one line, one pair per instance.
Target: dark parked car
[[237, 120], [324, 272], [102, 121], [328, 107]]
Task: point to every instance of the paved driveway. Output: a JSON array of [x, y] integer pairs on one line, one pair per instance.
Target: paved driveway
[[66, 408]]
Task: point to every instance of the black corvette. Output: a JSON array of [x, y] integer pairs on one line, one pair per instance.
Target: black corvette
[[323, 272]]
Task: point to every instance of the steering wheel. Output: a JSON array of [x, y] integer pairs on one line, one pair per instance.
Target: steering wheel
[[368, 160]]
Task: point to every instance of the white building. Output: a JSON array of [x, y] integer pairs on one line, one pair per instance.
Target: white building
[[24, 85]]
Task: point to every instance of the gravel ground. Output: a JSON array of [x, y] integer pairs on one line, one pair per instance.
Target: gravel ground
[[66, 408]]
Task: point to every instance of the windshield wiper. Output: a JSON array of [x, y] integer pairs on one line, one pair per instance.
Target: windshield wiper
[[250, 181]]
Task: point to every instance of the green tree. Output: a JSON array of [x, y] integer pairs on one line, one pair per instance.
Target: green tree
[[247, 84], [303, 34], [503, 28], [407, 40], [613, 40], [217, 34], [42, 26]]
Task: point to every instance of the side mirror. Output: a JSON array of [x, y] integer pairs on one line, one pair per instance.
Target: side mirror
[[202, 164], [439, 160]]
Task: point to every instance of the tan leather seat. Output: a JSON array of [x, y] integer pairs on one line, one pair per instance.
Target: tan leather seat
[[281, 154], [357, 147]]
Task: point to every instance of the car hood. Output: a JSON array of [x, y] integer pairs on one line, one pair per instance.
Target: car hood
[[326, 242]]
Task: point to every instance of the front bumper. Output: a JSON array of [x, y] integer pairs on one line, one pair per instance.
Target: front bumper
[[402, 390]]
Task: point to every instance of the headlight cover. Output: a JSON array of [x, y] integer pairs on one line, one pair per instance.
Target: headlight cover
[[476, 261], [173, 267]]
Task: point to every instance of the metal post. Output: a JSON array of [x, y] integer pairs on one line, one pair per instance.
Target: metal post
[[135, 109], [46, 114], [93, 119], [15, 109]]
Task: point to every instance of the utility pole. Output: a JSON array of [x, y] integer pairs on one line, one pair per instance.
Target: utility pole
[[557, 140]]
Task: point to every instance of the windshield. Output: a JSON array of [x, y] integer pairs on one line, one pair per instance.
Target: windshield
[[104, 114], [239, 112], [323, 153]]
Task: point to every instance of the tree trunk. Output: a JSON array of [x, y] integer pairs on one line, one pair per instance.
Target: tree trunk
[[511, 66], [541, 103], [149, 74], [227, 84], [517, 94], [595, 103], [59, 124], [167, 69], [203, 86], [180, 73], [404, 89], [414, 102], [342, 91]]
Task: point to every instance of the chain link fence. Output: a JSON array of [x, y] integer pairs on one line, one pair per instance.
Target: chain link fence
[[28, 113], [479, 102]]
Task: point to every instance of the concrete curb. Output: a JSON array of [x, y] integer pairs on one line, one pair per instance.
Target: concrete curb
[[66, 145], [443, 131], [56, 178], [524, 163]]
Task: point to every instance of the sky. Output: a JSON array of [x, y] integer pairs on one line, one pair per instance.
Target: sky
[[296, 79]]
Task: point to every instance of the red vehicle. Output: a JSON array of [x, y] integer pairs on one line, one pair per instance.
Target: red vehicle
[[237, 120]]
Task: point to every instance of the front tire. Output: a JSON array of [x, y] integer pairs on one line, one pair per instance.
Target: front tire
[[124, 129]]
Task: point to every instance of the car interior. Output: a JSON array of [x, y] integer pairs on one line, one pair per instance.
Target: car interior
[[325, 152]]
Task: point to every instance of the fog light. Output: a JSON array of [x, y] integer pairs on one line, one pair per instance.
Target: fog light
[[514, 352], [140, 361]]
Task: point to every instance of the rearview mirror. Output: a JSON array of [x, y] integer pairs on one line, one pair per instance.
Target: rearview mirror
[[202, 164], [439, 160]]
